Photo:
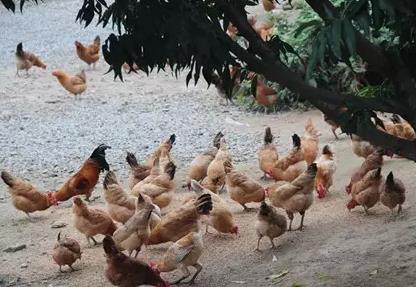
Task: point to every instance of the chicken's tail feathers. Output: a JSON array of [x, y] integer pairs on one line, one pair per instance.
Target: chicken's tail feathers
[[132, 160], [97, 39], [110, 178], [109, 246], [172, 139], [204, 204], [268, 137], [8, 178], [217, 139], [296, 141]]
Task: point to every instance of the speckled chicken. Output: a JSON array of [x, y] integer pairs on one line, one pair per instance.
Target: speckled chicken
[[393, 193], [269, 223]]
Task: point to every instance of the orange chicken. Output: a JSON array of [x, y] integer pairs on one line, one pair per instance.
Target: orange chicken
[[366, 191], [91, 221], [220, 217], [84, 181], [66, 252], [181, 221], [268, 5], [199, 165], [137, 172], [393, 193], [310, 142], [75, 84], [360, 147], [215, 171], [89, 54], [180, 255], [373, 161], [267, 155], [125, 271], [326, 169], [269, 223], [120, 205], [160, 188], [291, 166], [25, 196], [264, 96], [295, 196], [163, 148], [403, 129], [242, 188], [26, 60]]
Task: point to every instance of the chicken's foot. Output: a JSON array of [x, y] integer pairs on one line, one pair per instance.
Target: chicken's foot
[[198, 268], [186, 274]]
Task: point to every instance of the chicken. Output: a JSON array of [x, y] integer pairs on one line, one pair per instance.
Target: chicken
[[26, 60], [403, 129], [310, 142], [163, 148], [242, 188], [66, 252], [373, 161], [326, 169], [264, 95], [160, 188], [267, 155], [75, 84], [199, 165], [89, 54], [135, 231], [215, 171], [366, 191], [334, 126], [181, 221], [124, 271], [91, 221], [212, 185], [360, 147], [295, 196], [120, 205], [137, 172], [84, 181], [291, 166], [220, 217], [268, 5], [393, 193], [25, 196], [183, 253], [269, 223]]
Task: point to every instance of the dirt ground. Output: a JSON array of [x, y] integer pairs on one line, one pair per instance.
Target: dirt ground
[[45, 135]]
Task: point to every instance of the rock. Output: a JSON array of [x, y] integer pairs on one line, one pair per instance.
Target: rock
[[14, 248], [58, 224], [24, 265]]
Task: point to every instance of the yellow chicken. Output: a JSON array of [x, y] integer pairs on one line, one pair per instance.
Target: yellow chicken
[[215, 171], [76, 84], [326, 169], [267, 155], [310, 142]]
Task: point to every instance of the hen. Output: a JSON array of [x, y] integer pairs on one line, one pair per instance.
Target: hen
[[310, 142], [269, 223], [163, 148], [326, 169], [267, 155], [91, 221], [124, 271], [26, 60], [393, 193], [360, 147], [215, 171], [264, 95], [295, 196], [137, 172], [89, 54], [75, 84], [66, 252]]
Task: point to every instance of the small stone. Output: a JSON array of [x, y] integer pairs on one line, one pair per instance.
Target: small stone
[[15, 248], [58, 224], [24, 265]]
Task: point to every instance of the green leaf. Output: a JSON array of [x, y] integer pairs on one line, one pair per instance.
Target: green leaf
[[305, 25], [349, 37], [335, 37], [312, 60]]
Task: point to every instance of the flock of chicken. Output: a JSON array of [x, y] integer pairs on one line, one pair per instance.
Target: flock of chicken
[[137, 218]]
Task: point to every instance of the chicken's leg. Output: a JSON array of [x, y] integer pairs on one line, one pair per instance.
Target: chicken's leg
[[246, 209], [301, 220], [60, 269], [290, 215], [72, 269], [366, 210], [271, 241], [198, 269], [335, 134], [186, 274], [399, 210], [258, 243]]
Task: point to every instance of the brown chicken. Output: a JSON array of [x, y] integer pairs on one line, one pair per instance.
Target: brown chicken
[[66, 252], [181, 221], [242, 188], [26, 60], [137, 172], [269, 223], [393, 193], [84, 181], [326, 169], [25, 196], [124, 271], [91, 221], [264, 96], [135, 231], [373, 161], [268, 5], [366, 191], [163, 148], [180, 255], [220, 217], [199, 165], [334, 126], [215, 171], [295, 196], [75, 84], [120, 205], [89, 54], [291, 166], [267, 155], [212, 185], [403, 129], [360, 147], [310, 142], [160, 188]]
